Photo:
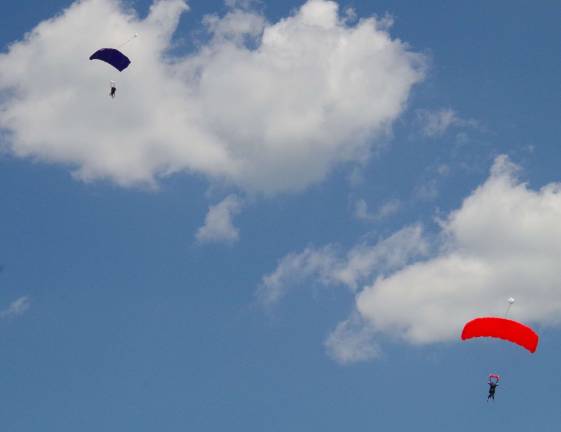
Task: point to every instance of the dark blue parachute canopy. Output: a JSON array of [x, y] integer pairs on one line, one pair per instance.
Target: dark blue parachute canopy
[[112, 56]]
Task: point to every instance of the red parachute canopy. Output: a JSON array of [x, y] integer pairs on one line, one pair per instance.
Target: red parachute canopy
[[502, 328]]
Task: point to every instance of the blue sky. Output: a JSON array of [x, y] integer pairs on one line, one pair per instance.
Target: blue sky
[[194, 255]]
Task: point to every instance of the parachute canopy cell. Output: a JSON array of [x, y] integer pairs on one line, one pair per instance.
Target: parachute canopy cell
[[112, 56], [502, 328]]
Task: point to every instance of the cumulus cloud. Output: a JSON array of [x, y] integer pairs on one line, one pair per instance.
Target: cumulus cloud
[[436, 123], [267, 107], [329, 266], [218, 226], [16, 308], [503, 241]]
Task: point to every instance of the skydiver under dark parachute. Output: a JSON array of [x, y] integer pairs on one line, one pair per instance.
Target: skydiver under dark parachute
[[501, 328], [115, 58]]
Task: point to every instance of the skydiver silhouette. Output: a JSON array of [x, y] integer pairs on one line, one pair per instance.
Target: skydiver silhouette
[[113, 89], [492, 388]]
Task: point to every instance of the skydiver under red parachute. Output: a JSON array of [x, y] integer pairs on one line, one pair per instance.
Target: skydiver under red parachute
[[501, 328], [493, 383]]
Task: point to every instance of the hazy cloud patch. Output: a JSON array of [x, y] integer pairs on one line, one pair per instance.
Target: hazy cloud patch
[[218, 226], [16, 308], [329, 265], [436, 123], [384, 211], [352, 341]]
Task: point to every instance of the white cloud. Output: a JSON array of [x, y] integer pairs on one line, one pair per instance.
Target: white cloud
[[16, 308], [387, 209], [329, 267], [218, 225], [436, 123], [504, 240], [267, 107]]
